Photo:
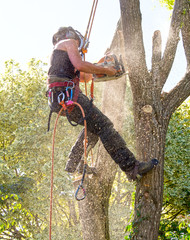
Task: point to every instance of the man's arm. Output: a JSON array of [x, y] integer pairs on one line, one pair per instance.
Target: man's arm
[[71, 47]]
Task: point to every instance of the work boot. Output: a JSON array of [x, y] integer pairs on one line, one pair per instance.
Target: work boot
[[141, 168]]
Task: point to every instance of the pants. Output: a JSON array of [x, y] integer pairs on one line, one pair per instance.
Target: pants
[[99, 126]]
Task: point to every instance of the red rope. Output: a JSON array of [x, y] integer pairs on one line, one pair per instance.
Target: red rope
[[52, 166]]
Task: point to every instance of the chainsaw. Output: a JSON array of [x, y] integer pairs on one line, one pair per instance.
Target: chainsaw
[[110, 61]]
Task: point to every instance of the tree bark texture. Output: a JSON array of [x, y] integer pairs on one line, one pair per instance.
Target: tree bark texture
[[93, 209], [152, 108]]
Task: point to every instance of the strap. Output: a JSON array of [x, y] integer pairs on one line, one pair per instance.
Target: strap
[[49, 119], [60, 84]]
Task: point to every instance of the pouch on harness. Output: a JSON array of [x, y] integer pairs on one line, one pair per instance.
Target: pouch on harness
[[61, 89]]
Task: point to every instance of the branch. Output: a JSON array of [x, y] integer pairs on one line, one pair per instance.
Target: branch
[[156, 58], [133, 37], [177, 95], [173, 39], [175, 215], [186, 33]]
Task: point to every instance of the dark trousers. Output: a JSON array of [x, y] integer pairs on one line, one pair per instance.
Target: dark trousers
[[99, 126]]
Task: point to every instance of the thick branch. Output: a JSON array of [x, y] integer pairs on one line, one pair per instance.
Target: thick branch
[[156, 49], [186, 33], [133, 37], [177, 95], [156, 57], [173, 39]]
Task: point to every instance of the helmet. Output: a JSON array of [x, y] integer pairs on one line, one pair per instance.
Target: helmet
[[68, 33], [64, 33]]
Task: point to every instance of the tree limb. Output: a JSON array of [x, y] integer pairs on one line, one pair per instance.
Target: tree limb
[[186, 33], [173, 39], [156, 59], [133, 37], [177, 95]]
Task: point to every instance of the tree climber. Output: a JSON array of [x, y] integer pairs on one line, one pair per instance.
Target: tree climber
[[66, 65]]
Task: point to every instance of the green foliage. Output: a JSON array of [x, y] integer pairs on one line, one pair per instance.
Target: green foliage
[[16, 222], [168, 3], [25, 159], [178, 229], [177, 157], [176, 202]]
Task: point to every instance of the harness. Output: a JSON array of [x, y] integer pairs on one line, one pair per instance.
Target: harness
[[62, 89]]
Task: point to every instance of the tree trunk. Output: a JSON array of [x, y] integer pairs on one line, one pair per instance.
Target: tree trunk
[[152, 110], [72, 210], [94, 208]]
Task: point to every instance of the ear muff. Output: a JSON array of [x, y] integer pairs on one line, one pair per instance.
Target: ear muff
[[70, 34]]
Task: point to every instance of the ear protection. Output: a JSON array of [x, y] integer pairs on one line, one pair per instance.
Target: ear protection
[[69, 33], [65, 33]]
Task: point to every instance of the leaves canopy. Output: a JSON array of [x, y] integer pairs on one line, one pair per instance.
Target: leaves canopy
[[177, 175]]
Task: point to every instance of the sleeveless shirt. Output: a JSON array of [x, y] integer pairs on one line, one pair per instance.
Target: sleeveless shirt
[[60, 65]]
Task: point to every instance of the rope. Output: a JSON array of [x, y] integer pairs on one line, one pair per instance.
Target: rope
[[87, 36], [52, 167], [90, 22]]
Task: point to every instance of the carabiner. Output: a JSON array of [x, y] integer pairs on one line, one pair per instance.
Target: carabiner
[[77, 191], [81, 186], [60, 97], [69, 96], [72, 84]]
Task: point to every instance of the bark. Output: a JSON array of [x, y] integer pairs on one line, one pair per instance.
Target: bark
[[186, 32], [73, 214], [152, 109], [93, 209]]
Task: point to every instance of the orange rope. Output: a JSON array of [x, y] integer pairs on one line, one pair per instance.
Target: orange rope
[[91, 19], [52, 168], [53, 144]]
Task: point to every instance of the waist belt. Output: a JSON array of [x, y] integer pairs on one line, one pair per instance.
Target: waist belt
[[61, 84], [54, 81]]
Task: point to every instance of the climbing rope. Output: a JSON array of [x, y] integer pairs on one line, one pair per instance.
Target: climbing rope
[[89, 26], [64, 108], [86, 38]]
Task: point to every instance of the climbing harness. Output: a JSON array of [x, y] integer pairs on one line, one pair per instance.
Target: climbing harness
[[66, 90]]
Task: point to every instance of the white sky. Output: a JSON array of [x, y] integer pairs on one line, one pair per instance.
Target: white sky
[[27, 27]]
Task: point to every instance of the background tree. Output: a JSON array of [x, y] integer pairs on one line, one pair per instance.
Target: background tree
[[168, 3], [176, 200], [25, 159]]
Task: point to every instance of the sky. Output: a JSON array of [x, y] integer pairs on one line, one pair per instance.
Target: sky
[[27, 27]]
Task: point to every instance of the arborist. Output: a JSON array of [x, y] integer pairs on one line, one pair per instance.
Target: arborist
[[66, 68]]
